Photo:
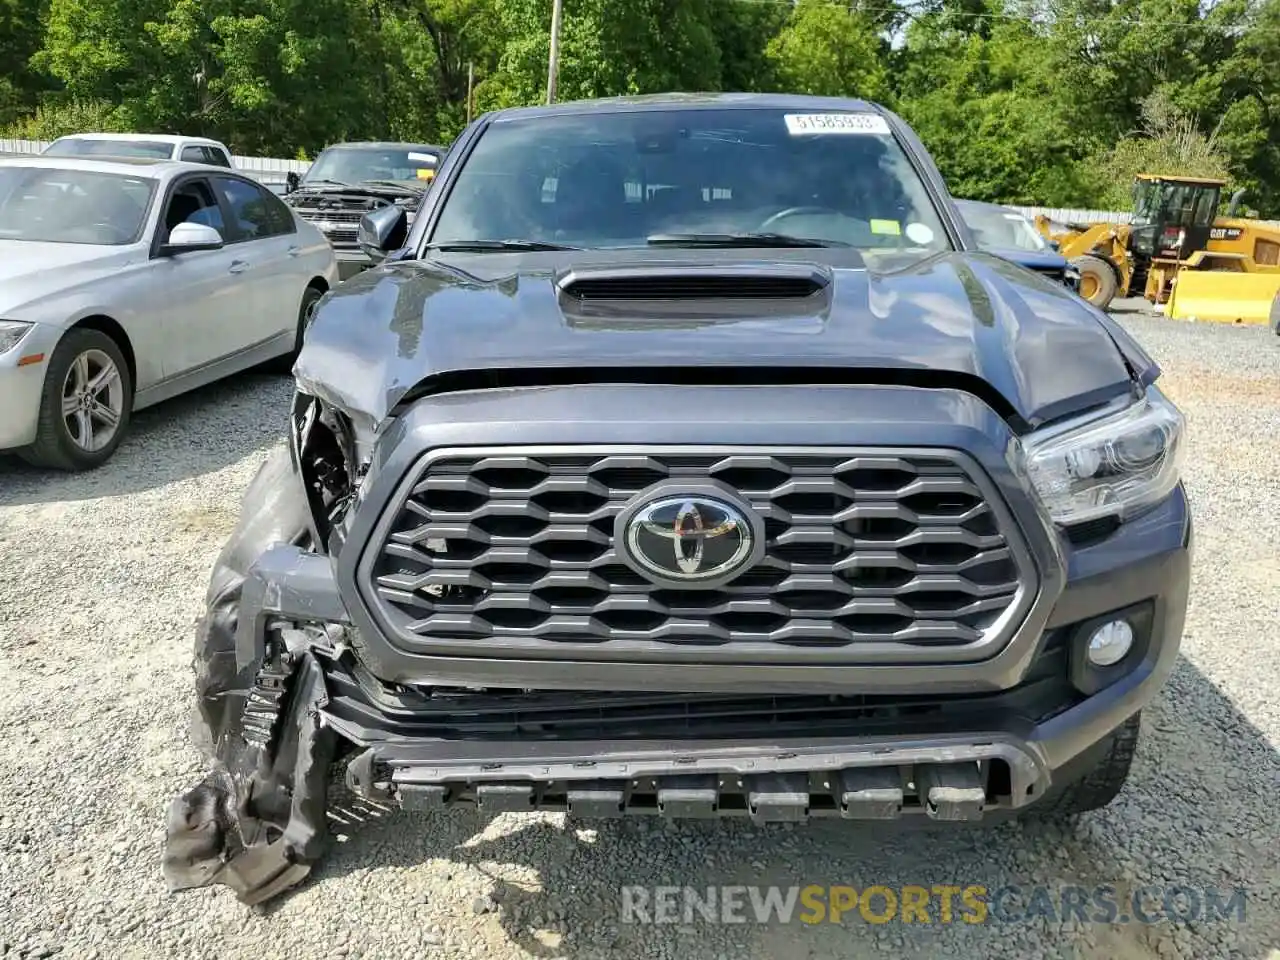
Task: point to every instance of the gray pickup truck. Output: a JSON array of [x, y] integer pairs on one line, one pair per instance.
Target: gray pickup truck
[[686, 457]]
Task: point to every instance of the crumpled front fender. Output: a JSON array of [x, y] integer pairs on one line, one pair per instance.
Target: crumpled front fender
[[257, 820]]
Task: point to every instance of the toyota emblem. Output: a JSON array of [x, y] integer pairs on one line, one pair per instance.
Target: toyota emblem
[[687, 539]]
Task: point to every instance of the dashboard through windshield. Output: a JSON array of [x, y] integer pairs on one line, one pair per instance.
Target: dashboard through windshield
[[740, 176]]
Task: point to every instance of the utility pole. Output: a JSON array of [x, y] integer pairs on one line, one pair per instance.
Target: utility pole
[[471, 81], [553, 62]]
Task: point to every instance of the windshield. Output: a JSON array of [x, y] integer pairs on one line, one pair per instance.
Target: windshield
[[80, 147], [998, 228], [412, 167], [631, 179], [1183, 204], [72, 206]]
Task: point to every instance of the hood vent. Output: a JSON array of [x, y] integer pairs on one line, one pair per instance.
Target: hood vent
[[713, 283]]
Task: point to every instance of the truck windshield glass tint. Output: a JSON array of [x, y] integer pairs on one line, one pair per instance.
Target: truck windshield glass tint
[[359, 164], [72, 206], [605, 179]]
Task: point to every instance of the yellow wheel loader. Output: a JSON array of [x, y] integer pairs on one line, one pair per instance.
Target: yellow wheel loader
[[1178, 251]]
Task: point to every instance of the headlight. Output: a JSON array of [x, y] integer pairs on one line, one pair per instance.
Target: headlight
[[1111, 465], [11, 334]]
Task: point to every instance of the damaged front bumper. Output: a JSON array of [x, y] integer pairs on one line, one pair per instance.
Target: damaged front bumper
[[302, 698]]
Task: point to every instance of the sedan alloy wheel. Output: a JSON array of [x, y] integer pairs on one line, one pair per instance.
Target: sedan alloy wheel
[[92, 400]]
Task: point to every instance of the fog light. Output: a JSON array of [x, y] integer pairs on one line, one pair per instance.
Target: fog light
[[1109, 643]]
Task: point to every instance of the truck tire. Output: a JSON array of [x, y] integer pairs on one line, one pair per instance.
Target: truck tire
[[1098, 280], [1102, 782]]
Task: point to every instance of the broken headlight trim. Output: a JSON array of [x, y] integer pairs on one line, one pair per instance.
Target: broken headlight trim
[[1109, 466], [322, 448]]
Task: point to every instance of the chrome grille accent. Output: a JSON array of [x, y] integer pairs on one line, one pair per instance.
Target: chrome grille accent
[[336, 215], [887, 547]]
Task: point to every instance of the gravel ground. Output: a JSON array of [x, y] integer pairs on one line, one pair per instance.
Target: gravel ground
[[101, 580]]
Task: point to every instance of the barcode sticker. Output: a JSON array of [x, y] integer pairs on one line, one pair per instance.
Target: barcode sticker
[[865, 123]]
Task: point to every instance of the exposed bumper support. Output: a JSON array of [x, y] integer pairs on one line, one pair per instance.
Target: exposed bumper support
[[942, 777]]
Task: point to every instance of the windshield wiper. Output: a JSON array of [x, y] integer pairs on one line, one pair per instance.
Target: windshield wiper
[[480, 245], [398, 184], [321, 180], [737, 240]]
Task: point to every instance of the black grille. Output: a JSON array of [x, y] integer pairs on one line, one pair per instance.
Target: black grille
[[859, 548], [693, 287], [359, 701], [337, 215]]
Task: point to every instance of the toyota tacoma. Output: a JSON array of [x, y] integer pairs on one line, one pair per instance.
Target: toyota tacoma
[[686, 457]]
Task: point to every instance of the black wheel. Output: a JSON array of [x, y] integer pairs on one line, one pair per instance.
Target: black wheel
[[85, 405], [306, 310], [1098, 280], [1102, 782]]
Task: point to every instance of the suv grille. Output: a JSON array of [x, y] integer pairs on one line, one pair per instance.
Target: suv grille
[[337, 216], [900, 548]]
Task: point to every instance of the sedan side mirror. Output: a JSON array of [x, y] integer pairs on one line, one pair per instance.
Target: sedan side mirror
[[191, 237], [382, 231]]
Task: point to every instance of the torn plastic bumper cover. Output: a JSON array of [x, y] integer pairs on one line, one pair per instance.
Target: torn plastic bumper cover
[[258, 823], [270, 716]]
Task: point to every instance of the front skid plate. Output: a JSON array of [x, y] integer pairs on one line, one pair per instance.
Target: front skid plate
[[943, 780]]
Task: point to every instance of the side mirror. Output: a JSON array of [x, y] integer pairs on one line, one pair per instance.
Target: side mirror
[[291, 181], [191, 237], [382, 231]]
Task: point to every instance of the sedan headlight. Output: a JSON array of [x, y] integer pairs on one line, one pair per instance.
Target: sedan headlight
[[11, 334], [1112, 465]]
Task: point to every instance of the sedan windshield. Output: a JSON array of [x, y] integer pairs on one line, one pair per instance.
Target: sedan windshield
[[365, 164], [84, 147], [999, 228], [735, 177], [72, 206]]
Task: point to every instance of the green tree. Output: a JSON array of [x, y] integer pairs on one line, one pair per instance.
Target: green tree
[[830, 50], [1169, 142], [983, 94], [607, 48], [283, 74], [21, 33]]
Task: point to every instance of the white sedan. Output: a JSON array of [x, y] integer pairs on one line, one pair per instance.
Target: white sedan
[[126, 282]]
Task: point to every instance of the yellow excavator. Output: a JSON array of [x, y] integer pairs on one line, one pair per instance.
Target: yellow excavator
[[1178, 251]]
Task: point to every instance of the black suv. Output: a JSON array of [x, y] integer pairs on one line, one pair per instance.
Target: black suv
[[348, 180], [686, 457]]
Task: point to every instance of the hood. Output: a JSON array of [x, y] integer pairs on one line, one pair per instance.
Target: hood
[[1032, 259], [387, 190], [31, 270], [973, 316]]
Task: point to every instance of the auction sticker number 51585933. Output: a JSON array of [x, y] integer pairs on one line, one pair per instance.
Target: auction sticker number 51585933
[[864, 123]]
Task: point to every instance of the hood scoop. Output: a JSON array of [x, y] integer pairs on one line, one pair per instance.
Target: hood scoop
[[650, 283]]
